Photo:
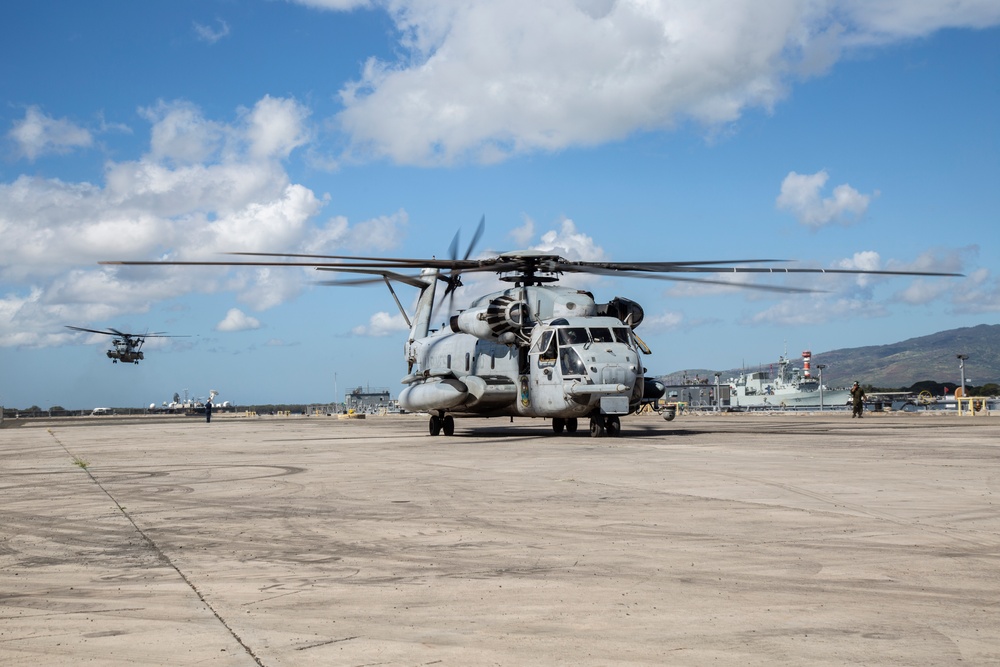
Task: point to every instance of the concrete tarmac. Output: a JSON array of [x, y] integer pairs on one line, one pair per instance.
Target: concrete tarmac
[[709, 540]]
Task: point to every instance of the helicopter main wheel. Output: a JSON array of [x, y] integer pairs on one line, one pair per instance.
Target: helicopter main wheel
[[571, 425], [448, 425], [558, 424], [613, 425], [434, 425], [596, 427]]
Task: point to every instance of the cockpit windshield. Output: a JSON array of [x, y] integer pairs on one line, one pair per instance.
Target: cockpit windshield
[[587, 335], [573, 336]]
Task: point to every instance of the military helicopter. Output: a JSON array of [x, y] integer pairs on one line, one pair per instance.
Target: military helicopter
[[534, 349], [127, 346]]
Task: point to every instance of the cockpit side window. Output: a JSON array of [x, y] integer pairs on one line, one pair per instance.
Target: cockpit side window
[[546, 347]]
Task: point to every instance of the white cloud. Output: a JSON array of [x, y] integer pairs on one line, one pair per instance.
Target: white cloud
[[40, 134], [811, 311], [922, 291], [980, 293], [570, 243], [801, 196], [181, 133], [481, 81], [668, 321], [207, 33], [237, 320], [381, 324], [522, 235], [275, 127], [204, 187]]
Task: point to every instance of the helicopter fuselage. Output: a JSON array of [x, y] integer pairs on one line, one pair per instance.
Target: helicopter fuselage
[[529, 351], [573, 367]]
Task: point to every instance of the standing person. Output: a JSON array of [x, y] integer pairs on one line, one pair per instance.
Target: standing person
[[208, 410], [858, 399]]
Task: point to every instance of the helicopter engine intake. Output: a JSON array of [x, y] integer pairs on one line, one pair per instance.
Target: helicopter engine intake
[[502, 315]]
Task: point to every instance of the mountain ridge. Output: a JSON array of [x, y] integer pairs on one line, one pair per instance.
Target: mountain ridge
[[902, 364]]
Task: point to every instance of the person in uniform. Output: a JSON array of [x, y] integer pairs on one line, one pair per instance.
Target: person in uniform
[[858, 400]]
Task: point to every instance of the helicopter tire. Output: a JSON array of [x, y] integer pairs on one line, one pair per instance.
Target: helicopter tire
[[558, 424], [614, 426], [596, 427], [571, 425], [448, 425], [434, 425]]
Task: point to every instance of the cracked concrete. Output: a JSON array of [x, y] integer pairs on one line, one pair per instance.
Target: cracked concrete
[[713, 539]]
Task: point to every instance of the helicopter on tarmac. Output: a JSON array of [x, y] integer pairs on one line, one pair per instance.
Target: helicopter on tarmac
[[534, 349], [126, 347]]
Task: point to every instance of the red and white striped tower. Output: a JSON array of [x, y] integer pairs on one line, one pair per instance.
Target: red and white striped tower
[[806, 358]]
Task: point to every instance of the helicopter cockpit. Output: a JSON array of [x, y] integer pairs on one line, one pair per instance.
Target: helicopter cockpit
[[572, 345]]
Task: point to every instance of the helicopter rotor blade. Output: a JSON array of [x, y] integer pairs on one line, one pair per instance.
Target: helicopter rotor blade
[[413, 281], [704, 281], [475, 237], [104, 333]]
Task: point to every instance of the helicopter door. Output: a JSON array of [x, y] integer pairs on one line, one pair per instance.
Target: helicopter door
[[544, 393]]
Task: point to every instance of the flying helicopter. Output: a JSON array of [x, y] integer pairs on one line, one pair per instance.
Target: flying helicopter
[[127, 347], [534, 349]]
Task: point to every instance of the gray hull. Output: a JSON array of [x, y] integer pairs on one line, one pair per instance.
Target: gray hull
[[791, 399]]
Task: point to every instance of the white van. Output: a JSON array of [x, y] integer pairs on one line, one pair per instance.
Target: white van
[[101, 411]]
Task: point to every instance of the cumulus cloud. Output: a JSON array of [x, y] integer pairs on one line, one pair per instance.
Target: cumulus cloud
[[567, 242], [801, 195], [482, 81], [381, 324], [237, 320], [979, 293], [522, 235], [204, 187], [40, 134]]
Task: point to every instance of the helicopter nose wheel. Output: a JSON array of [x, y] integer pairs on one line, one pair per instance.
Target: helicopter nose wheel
[[601, 426]]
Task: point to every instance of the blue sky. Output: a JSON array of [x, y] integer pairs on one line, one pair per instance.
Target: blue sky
[[838, 134]]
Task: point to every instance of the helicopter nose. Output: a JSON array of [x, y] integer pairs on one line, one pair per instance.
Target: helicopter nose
[[615, 374]]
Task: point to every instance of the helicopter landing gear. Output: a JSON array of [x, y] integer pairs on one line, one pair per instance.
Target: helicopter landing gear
[[438, 424], [571, 425], [601, 426]]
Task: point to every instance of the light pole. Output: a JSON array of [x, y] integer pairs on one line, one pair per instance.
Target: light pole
[[961, 369], [718, 395], [820, 367]]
